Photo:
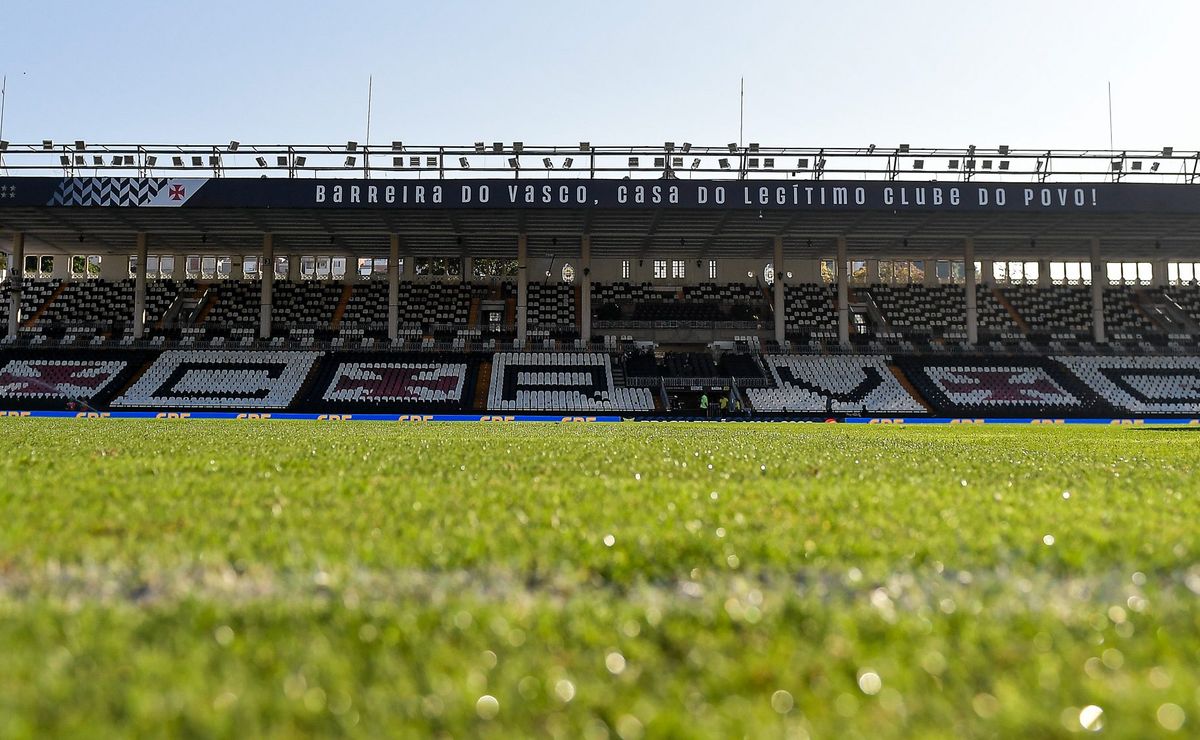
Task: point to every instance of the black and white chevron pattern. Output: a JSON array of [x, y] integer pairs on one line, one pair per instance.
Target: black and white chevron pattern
[[107, 191]]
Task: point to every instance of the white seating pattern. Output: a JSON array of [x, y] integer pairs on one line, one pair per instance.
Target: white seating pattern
[[50, 379], [1000, 386], [227, 379], [1144, 385], [843, 384], [534, 389], [392, 382]]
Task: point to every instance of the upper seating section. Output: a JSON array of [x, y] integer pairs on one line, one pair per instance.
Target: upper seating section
[[1057, 309], [551, 305], [1121, 312], [101, 303], [310, 303], [708, 302], [919, 308], [809, 307], [561, 381], [34, 294]]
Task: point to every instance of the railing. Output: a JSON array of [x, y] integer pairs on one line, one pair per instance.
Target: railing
[[397, 159], [665, 382], [681, 324]]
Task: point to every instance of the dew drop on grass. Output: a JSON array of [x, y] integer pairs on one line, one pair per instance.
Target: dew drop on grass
[[565, 690], [781, 701], [615, 663], [1066, 494], [1091, 718], [487, 707], [609, 540], [1048, 540], [869, 682], [223, 635], [1171, 717]]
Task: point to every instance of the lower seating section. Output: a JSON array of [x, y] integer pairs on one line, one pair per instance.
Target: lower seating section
[[51, 379], [999, 387], [215, 379], [809, 307], [366, 382], [733, 365], [561, 381], [838, 384], [1142, 385]]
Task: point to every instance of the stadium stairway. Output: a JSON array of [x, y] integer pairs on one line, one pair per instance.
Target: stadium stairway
[[340, 311], [482, 385], [32, 320], [908, 386], [1012, 310]]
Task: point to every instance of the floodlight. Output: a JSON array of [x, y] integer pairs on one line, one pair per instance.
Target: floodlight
[[754, 146], [151, 160], [987, 164], [904, 148], [1137, 166], [870, 149], [724, 163], [197, 161], [660, 162], [262, 161], [1168, 151], [585, 146], [397, 146], [1116, 165], [971, 150], [175, 161], [414, 161], [480, 148], [78, 160], [567, 163], [233, 146], [669, 146], [47, 144], [732, 147], [1004, 164], [66, 161], [98, 161], [431, 161], [518, 146], [633, 161], [769, 162], [300, 161], [497, 146], [80, 145], [351, 146], [213, 160], [397, 161], [687, 147], [695, 163], [281, 161], [3, 146], [802, 163], [514, 162], [676, 162], [752, 162], [350, 161], [1154, 166], [116, 161], [462, 162], [547, 163], [1003, 149], [918, 164], [953, 164]]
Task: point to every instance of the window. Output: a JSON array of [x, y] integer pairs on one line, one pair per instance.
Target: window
[[1016, 273], [1130, 273], [208, 267], [79, 265], [660, 269], [624, 269], [166, 265], [47, 264], [224, 267], [250, 267], [491, 267], [712, 269], [678, 269], [192, 266], [1071, 273], [858, 272], [1182, 273], [337, 268], [282, 265], [568, 273], [323, 267], [829, 271], [308, 266], [39, 265]]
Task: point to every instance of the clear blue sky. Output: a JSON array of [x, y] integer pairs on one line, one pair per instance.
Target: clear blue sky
[[925, 72]]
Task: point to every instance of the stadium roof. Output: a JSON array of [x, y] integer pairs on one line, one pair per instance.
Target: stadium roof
[[670, 200]]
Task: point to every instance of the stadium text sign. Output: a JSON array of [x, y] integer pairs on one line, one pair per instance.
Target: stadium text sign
[[797, 195]]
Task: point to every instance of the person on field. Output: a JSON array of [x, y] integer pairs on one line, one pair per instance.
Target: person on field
[[704, 404], [724, 405]]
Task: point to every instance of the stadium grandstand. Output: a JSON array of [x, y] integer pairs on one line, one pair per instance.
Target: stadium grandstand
[[623, 280]]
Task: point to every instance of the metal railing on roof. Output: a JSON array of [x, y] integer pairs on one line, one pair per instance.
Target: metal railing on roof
[[399, 160]]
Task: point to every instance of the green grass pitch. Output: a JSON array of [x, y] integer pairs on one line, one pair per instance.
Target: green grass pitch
[[285, 579]]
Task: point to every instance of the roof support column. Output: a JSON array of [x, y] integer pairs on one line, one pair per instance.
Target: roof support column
[[139, 289], [393, 276], [268, 284], [1098, 276], [585, 288], [522, 287], [843, 293], [16, 279], [971, 291], [468, 269], [780, 274]]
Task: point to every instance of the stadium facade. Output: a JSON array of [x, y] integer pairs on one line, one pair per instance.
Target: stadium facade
[[504, 278]]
